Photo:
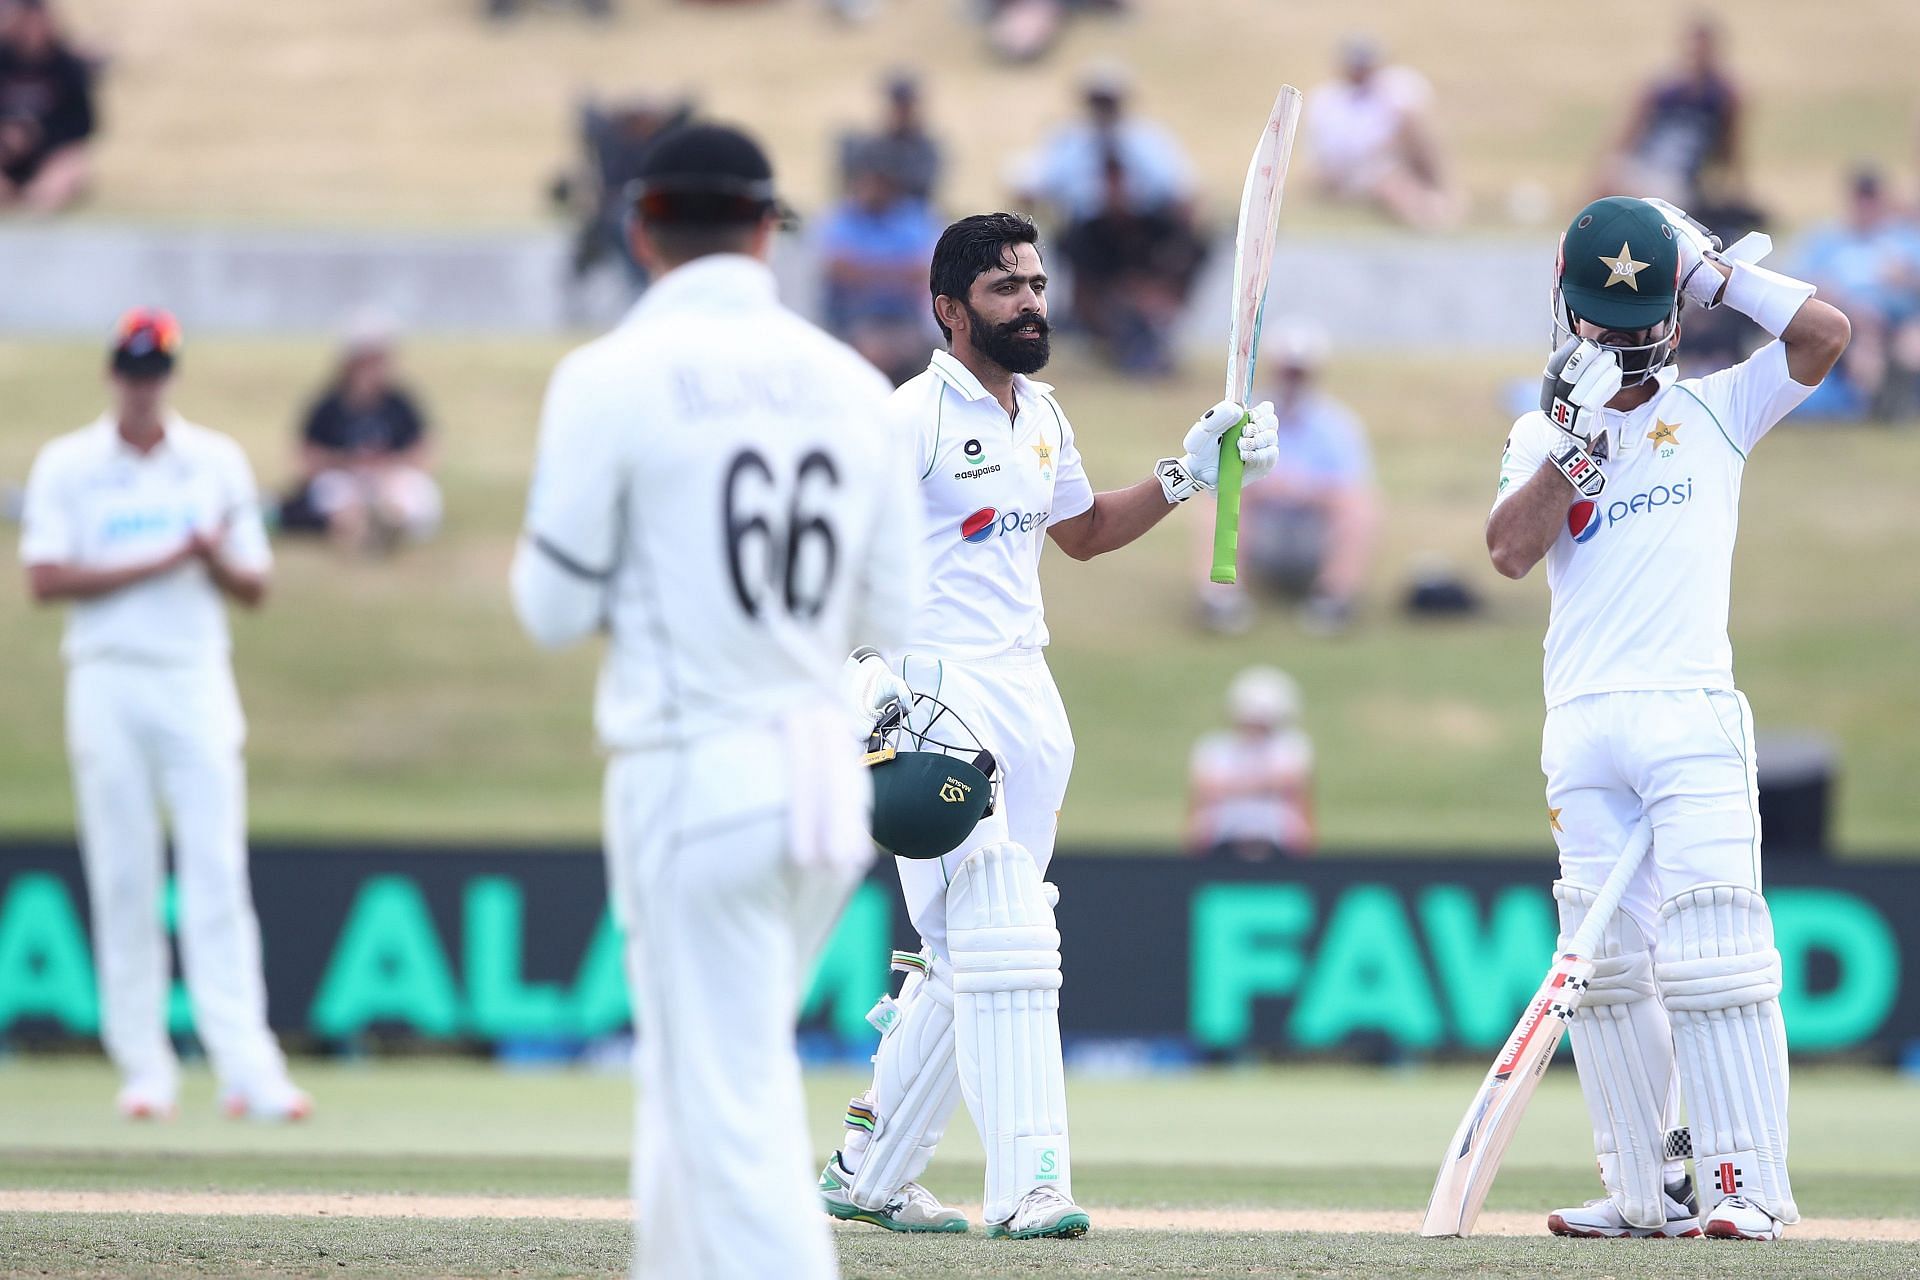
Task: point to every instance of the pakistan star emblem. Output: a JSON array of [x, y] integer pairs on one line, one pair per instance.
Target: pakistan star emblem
[[1553, 818], [1623, 268], [1045, 452], [1665, 438]]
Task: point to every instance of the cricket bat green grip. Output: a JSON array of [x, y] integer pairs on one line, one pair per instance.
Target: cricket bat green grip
[[1226, 520]]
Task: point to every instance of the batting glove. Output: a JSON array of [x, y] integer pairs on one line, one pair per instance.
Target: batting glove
[[872, 687], [1199, 470], [1578, 381]]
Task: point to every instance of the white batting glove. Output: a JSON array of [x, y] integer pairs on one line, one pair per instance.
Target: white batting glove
[[1259, 442], [872, 686], [1578, 381], [1700, 281], [1199, 470]]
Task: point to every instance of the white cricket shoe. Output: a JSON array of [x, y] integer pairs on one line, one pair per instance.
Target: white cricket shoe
[[146, 1100], [1043, 1213], [1600, 1219], [276, 1100], [1738, 1218], [912, 1208]]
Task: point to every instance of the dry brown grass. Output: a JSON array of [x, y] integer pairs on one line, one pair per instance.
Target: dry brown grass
[[416, 112]]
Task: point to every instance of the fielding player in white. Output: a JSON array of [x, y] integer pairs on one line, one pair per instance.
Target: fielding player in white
[[143, 521], [1628, 482], [999, 473], [716, 488]]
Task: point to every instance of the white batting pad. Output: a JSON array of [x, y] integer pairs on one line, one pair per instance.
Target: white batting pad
[[1006, 1008], [1720, 978], [915, 1088], [1623, 1049]]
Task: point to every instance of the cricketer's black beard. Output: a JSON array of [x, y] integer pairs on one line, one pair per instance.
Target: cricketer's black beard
[[998, 343]]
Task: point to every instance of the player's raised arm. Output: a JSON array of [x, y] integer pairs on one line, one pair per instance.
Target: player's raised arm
[[1814, 333], [570, 546], [1119, 516]]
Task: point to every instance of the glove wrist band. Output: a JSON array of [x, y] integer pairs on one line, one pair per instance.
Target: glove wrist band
[[1769, 298], [1177, 482]]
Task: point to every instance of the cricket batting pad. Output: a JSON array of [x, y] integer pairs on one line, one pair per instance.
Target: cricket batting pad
[[1623, 1050], [1006, 1009], [1720, 977], [915, 1089]]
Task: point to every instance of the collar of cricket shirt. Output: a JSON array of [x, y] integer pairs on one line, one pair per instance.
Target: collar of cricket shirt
[[947, 367], [169, 443], [726, 279]]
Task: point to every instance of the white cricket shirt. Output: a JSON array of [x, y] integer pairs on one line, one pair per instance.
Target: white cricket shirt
[[1641, 576], [723, 469], [989, 485], [96, 502]]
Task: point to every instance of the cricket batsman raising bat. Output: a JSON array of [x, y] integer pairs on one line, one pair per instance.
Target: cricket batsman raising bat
[[1626, 482], [1000, 473]]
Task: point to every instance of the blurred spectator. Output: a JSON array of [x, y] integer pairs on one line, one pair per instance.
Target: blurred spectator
[[365, 466], [1868, 265], [1371, 136], [1306, 530], [1121, 189], [1682, 140], [902, 149], [1132, 271], [1026, 30], [874, 249], [501, 10], [613, 138], [1250, 788], [46, 111]]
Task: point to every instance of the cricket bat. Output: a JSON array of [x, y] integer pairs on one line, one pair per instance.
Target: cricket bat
[[1252, 265], [1473, 1156]]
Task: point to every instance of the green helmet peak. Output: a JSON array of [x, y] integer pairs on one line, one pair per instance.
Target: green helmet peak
[[1619, 266]]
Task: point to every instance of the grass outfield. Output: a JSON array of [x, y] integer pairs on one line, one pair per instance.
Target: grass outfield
[[399, 699], [1317, 1140], [366, 111]]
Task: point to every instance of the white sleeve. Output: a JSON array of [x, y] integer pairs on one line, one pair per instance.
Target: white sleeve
[[893, 569], [1748, 398], [47, 535], [570, 546], [1524, 455], [1072, 491], [245, 545]]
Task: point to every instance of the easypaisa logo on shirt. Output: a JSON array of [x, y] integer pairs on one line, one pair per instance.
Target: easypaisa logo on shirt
[[1584, 518], [991, 522], [975, 453]]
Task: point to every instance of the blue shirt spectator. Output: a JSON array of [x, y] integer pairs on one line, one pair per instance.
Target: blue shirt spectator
[[1070, 171], [874, 249]]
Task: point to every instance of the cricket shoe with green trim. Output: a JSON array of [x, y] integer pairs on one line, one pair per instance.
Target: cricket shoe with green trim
[[1043, 1213], [912, 1208]]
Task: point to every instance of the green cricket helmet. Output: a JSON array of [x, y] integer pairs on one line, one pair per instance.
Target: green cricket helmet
[[933, 781], [1619, 268]]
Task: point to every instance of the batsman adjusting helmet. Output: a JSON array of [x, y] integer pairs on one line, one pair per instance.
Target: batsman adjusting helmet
[[932, 780], [1619, 268]]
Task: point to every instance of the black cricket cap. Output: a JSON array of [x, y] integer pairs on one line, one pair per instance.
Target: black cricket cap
[[705, 175], [146, 343]]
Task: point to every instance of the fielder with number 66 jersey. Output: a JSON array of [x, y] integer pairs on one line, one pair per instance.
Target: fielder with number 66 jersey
[[1627, 481], [717, 490], [999, 474]]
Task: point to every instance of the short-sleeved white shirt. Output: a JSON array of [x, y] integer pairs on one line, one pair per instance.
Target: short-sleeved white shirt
[[989, 486], [1279, 816], [1641, 576], [95, 501], [1350, 128]]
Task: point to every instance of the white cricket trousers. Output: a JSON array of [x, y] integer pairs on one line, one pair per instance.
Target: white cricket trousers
[[142, 737], [1012, 706], [722, 930], [1686, 757]]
